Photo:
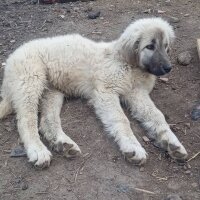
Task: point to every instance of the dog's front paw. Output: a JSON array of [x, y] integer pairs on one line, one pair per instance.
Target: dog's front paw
[[136, 155], [175, 149], [178, 152], [67, 147], [39, 155]]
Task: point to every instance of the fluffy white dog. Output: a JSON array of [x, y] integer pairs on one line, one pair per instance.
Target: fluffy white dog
[[105, 73]]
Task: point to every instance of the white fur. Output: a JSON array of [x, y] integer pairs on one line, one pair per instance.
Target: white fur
[[102, 72]]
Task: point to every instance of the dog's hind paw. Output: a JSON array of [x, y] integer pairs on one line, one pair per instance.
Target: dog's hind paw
[[68, 150], [67, 147]]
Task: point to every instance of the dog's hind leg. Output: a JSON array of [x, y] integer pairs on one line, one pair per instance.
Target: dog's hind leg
[[5, 108], [153, 120], [50, 124], [5, 104], [27, 90]]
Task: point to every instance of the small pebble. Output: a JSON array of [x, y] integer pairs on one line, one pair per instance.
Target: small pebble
[[188, 166], [184, 58], [174, 185], [94, 15], [46, 1], [174, 87], [18, 180], [195, 115], [62, 16], [185, 167], [194, 185], [141, 169], [173, 197], [188, 172], [146, 139], [163, 79], [24, 186], [34, 1], [115, 159], [175, 169], [76, 9], [97, 32], [44, 29], [122, 188], [88, 9], [49, 21], [187, 125], [168, 3], [18, 152], [148, 11], [161, 11], [160, 157], [174, 20]]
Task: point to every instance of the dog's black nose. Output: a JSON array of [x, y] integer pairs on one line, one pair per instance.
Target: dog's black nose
[[167, 68]]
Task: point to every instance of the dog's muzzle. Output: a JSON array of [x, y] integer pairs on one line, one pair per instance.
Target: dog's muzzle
[[159, 64], [159, 70]]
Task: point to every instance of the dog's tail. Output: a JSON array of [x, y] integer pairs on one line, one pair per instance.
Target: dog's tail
[[5, 108]]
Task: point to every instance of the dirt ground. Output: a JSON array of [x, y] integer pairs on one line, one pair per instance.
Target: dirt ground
[[102, 173]]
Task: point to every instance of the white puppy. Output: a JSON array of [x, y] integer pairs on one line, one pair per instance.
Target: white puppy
[[105, 73]]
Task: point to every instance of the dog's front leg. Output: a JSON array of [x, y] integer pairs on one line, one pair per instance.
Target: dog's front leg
[[145, 111], [108, 109]]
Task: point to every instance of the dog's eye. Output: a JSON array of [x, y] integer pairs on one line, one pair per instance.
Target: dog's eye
[[168, 50], [150, 47]]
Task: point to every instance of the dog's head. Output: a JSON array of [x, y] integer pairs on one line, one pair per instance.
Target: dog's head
[[146, 43]]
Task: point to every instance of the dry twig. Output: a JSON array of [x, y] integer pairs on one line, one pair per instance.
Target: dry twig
[[145, 191], [81, 167], [193, 157]]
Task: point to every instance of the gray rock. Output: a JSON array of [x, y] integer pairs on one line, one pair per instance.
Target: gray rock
[[148, 11], [168, 3], [194, 185], [122, 188], [174, 20], [87, 0], [195, 115], [76, 9], [18, 151], [173, 197], [94, 15], [174, 185], [184, 58], [34, 1], [188, 172], [24, 186]]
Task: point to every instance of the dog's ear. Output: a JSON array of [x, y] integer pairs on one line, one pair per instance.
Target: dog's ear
[[133, 53]]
